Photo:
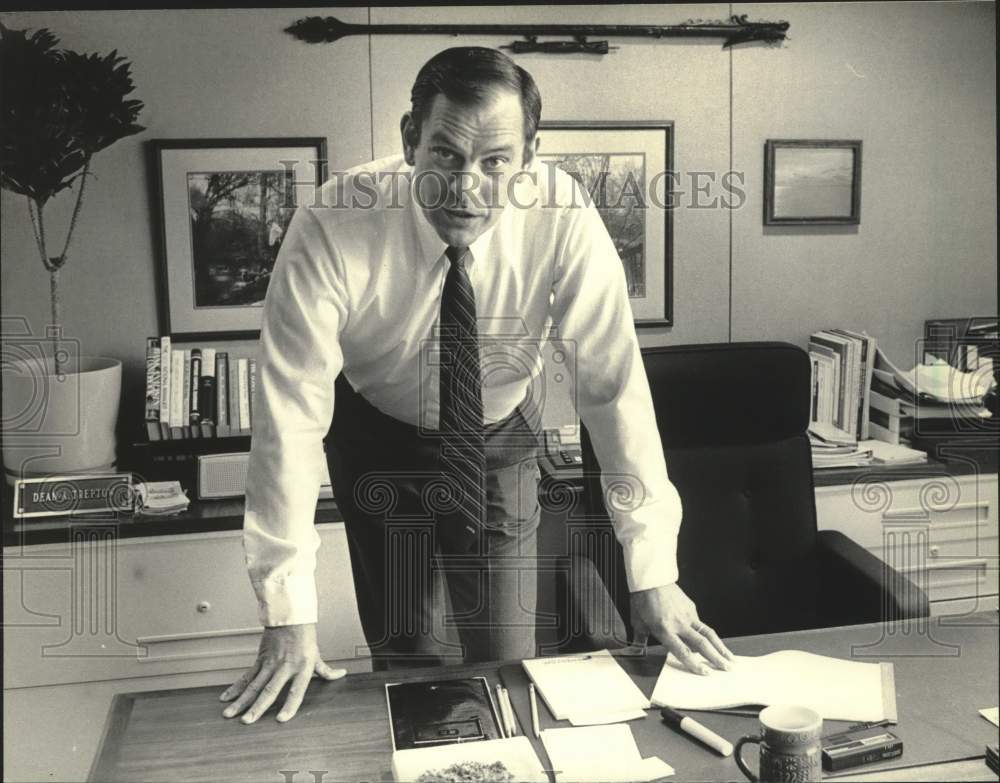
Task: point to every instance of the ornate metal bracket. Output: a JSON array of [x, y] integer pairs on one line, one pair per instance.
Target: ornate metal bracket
[[315, 29]]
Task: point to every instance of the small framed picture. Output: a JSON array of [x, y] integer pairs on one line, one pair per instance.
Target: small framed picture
[[622, 165], [812, 182], [225, 205]]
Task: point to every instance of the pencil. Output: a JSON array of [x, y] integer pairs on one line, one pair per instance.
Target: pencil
[[534, 710]]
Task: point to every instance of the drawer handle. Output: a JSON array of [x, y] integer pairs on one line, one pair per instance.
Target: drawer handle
[[934, 551], [977, 564]]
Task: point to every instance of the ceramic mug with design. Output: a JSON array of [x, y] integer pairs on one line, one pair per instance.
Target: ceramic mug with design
[[789, 741]]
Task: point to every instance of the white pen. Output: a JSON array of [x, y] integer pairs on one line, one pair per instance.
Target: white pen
[[690, 726], [534, 710], [504, 730], [512, 732]]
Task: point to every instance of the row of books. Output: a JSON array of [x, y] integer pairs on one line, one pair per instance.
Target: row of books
[[843, 364], [194, 392]]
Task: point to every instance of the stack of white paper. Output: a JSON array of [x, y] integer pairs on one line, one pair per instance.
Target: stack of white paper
[[894, 454], [600, 753], [837, 689], [161, 497], [587, 689]]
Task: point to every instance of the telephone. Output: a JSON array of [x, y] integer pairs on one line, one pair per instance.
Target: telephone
[[562, 449]]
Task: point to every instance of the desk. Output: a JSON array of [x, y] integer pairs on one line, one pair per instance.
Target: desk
[[943, 676]]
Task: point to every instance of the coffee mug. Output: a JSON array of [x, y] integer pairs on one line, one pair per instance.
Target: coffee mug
[[789, 741]]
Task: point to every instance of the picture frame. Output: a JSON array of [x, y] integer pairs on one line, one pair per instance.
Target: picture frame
[[812, 182], [223, 206], [615, 153]]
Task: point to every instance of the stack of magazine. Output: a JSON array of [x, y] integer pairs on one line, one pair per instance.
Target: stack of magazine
[[833, 448], [842, 364]]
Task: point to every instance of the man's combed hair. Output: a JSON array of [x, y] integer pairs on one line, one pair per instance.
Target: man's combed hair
[[467, 75]]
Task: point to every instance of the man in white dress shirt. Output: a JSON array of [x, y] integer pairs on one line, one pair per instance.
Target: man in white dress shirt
[[464, 235]]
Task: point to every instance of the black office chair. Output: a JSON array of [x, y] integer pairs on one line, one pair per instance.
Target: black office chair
[[733, 418]]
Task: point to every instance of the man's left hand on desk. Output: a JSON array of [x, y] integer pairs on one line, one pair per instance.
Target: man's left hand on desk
[[669, 615]]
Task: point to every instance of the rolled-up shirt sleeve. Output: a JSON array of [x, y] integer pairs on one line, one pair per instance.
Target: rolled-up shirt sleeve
[[298, 359], [594, 323]]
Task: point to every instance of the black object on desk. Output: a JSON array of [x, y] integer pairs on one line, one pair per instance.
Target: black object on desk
[[441, 712]]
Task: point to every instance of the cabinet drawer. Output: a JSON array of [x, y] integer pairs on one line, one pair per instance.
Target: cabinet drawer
[[106, 608], [952, 578], [940, 531], [963, 507], [965, 605]]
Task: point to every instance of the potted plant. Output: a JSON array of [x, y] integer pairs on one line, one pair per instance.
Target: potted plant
[[58, 108]]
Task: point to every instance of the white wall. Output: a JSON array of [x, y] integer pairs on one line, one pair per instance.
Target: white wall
[[915, 81]]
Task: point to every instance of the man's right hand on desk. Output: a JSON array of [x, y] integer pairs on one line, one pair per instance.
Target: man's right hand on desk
[[286, 652]]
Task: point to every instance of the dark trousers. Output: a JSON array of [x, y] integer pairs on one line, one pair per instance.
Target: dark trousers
[[386, 479]]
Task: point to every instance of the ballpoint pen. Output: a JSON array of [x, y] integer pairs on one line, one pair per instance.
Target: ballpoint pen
[[534, 710], [504, 729], [512, 723]]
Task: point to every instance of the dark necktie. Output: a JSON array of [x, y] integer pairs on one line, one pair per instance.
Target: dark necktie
[[463, 459]]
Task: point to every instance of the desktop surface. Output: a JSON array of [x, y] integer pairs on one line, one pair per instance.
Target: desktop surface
[[946, 670]]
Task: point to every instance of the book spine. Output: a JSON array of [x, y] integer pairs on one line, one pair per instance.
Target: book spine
[[820, 390], [813, 388], [194, 386], [206, 401], [206, 388], [186, 395], [166, 366], [177, 393], [852, 399], [869, 361], [839, 348], [153, 387], [244, 390], [221, 386], [234, 394], [252, 372], [860, 351]]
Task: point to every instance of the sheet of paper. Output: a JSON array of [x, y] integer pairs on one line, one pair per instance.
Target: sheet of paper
[[992, 715], [586, 719], [837, 689], [592, 688], [600, 753]]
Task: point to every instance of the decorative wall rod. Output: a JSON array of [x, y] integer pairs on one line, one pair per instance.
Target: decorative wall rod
[[315, 29]]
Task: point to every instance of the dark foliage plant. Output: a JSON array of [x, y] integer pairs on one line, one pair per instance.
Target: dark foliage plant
[[58, 108]]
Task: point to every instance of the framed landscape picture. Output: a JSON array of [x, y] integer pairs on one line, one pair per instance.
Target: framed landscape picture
[[625, 166], [225, 205], [812, 182]]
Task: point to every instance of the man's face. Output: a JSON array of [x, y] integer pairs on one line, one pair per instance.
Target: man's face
[[463, 161]]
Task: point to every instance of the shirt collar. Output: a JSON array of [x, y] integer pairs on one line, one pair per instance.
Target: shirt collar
[[432, 247]]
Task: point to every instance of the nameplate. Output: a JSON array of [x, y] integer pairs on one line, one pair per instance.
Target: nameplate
[[58, 496]]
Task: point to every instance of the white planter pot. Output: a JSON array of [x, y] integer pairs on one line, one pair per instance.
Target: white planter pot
[[60, 424]]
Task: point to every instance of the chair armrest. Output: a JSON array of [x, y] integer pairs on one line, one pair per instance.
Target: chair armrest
[[858, 587], [588, 619]]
